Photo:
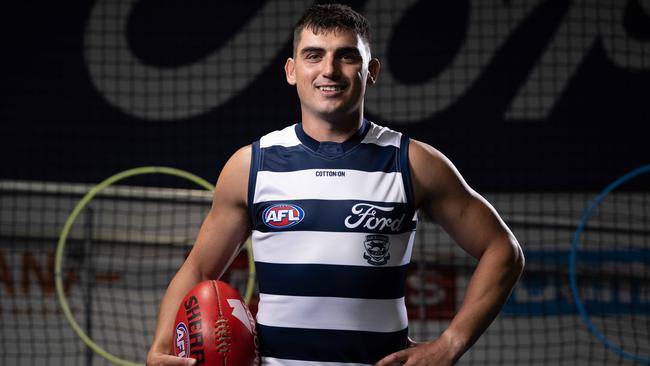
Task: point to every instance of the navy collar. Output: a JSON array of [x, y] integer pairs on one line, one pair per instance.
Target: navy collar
[[329, 148]]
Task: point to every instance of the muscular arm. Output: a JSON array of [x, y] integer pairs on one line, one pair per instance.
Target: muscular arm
[[224, 229], [442, 194]]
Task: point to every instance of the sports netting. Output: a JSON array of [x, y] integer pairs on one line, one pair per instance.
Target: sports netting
[[128, 242], [182, 93]]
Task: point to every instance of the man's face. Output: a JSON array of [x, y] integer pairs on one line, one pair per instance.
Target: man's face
[[330, 71]]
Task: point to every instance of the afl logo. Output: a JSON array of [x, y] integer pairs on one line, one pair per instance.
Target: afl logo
[[182, 341], [282, 216]]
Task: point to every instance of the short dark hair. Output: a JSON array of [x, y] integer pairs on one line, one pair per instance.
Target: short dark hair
[[332, 17]]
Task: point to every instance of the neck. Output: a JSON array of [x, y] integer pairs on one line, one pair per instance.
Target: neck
[[338, 130]]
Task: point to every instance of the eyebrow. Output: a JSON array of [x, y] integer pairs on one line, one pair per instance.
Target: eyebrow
[[354, 50], [311, 49], [341, 50]]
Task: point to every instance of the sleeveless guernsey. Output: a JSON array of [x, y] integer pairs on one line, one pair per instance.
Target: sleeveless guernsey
[[333, 227]]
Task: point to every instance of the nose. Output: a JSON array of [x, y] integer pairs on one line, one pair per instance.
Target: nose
[[331, 68]]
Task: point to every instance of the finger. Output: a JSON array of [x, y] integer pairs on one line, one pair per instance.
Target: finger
[[169, 360], [179, 361], [189, 362], [396, 358]]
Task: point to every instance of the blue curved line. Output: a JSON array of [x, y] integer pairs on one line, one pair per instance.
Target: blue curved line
[[572, 266]]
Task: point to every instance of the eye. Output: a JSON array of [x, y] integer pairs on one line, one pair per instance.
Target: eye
[[313, 56], [350, 58]]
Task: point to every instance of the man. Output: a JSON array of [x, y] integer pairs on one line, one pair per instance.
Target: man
[[331, 203]]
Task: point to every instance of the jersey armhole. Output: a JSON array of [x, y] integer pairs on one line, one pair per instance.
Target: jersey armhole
[[406, 171], [252, 177]]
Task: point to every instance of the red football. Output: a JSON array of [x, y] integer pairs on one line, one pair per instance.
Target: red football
[[214, 326]]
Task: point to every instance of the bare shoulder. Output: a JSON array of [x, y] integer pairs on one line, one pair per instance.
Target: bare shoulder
[[242, 157], [232, 184], [423, 156], [433, 174], [239, 162]]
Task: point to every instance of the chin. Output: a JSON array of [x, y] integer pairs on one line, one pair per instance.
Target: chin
[[335, 115]]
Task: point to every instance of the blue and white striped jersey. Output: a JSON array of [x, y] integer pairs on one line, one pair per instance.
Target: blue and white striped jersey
[[333, 228]]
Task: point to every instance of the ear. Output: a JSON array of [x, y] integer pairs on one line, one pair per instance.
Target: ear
[[373, 71], [290, 71]]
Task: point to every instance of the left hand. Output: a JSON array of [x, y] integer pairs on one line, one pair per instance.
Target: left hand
[[437, 353]]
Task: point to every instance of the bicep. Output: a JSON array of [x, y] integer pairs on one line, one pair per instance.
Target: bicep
[[442, 193], [227, 224]]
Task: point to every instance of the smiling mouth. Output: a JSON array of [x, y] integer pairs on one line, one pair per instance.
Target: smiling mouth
[[331, 88]]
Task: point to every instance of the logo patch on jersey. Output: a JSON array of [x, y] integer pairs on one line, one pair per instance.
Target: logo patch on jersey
[[370, 217], [283, 215], [377, 247]]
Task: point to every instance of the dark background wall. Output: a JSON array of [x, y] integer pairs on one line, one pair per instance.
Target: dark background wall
[[527, 95]]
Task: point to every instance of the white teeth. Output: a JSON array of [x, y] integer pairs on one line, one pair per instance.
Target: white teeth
[[329, 88]]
